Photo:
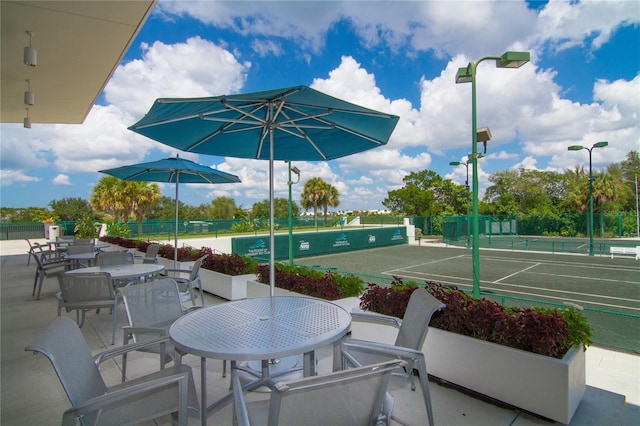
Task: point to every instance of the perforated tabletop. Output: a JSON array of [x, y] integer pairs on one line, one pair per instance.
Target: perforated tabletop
[[262, 328]]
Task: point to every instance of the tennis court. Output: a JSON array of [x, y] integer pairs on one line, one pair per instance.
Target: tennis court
[[608, 289]]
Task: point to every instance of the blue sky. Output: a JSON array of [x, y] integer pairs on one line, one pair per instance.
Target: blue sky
[[581, 86]]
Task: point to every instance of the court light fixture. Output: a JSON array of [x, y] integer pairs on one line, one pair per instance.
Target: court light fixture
[[30, 53], [295, 170], [467, 74], [601, 144]]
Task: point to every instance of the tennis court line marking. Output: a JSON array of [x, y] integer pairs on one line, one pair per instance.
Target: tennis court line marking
[[501, 290], [516, 273], [591, 278], [391, 271]]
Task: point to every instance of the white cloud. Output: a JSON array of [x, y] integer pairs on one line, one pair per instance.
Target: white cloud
[[194, 68], [61, 179], [9, 177], [568, 24], [524, 106]]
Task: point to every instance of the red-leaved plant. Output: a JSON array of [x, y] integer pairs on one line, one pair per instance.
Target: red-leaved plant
[[550, 332], [324, 287]]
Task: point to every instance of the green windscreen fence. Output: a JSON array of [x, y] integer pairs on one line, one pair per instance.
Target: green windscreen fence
[[316, 243]]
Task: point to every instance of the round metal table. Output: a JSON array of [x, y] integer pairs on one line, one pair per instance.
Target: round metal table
[[259, 329], [127, 271]]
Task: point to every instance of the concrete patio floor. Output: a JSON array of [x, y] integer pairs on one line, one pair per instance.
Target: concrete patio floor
[[31, 393]]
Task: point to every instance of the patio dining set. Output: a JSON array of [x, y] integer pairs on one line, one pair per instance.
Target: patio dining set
[[258, 336]]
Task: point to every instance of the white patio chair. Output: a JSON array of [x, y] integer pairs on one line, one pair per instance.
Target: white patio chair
[[151, 254], [351, 397], [187, 284], [45, 268], [151, 309], [169, 391], [108, 258], [408, 345], [87, 291]]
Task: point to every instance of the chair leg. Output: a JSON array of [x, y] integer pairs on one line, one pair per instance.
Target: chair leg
[[201, 293], [35, 282], [424, 382], [40, 286], [115, 321]]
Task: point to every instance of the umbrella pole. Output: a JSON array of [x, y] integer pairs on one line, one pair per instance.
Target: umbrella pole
[[175, 247], [272, 246]]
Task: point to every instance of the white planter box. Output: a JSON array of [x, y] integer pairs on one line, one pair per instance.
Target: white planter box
[[228, 287], [549, 387]]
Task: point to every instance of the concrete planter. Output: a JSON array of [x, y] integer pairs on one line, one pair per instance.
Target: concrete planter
[[549, 387], [230, 287]]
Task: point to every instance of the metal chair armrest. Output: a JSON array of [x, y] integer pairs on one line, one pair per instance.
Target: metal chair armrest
[[113, 398], [124, 349], [375, 318], [379, 349]]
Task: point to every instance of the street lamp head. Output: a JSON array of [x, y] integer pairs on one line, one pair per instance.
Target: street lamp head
[[463, 75], [295, 170], [513, 59], [454, 163], [483, 134], [575, 147], [600, 144]]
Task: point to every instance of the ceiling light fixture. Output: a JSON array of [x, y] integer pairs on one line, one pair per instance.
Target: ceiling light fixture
[[27, 120], [30, 53], [29, 96]]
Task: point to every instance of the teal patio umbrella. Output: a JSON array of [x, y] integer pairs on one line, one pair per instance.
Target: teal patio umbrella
[[294, 123], [172, 170]]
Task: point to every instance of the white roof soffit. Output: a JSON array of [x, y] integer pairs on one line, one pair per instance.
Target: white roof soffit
[[79, 45]]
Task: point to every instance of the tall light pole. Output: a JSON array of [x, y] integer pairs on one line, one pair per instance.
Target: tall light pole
[[466, 184], [295, 170], [468, 75], [591, 178]]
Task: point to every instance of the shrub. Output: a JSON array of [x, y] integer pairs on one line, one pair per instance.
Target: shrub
[[309, 281], [324, 287], [546, 331], [230, 264]]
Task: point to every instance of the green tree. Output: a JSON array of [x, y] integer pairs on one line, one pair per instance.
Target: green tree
[[280, 209], [108, 196], [222, 208], [630, 171], [142, 196], [71, 208], [525, 191], [425, 193], [313, 194], [331, 198], [28, 214], [121, 198]]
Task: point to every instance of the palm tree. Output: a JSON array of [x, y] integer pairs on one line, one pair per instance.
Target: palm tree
[[605, 190], [331, 198], [121, 198], [107, 196], [143, 196], [313, 194]]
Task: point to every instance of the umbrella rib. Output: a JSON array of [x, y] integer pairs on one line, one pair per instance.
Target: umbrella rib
[[303, 135], [369, 113]]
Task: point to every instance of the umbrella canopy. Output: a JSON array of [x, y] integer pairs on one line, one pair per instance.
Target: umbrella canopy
[[295, 123], [172, 170]]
